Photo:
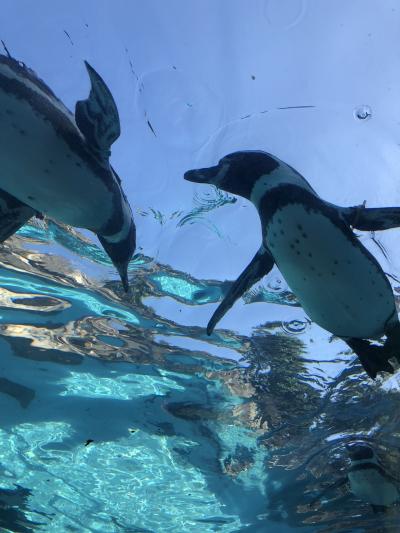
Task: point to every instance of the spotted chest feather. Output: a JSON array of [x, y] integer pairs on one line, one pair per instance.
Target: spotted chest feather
[[338, 282]]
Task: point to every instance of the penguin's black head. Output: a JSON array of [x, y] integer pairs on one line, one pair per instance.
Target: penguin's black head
[[237, 172], [360, 451]]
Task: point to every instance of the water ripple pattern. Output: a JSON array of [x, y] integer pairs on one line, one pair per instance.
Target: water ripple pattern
[[112, 404], [284, 14], [204, 203], [179, 112]]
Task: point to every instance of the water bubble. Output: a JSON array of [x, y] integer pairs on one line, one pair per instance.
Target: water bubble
[[275, 285], [363, 112], [295, 327]]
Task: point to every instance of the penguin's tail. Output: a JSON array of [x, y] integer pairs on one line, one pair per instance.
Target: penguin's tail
[[373, 358]]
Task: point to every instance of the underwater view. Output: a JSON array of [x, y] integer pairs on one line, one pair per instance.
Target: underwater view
[[199, 266]]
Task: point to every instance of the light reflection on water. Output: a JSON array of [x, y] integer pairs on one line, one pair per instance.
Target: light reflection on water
[[118, 417]]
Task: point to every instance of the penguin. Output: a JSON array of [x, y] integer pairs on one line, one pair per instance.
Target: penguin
[[57, 164], [367, 479], [338, 282]]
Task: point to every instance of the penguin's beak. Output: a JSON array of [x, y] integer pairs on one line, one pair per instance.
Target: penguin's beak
[[202, 175], [123, 274]]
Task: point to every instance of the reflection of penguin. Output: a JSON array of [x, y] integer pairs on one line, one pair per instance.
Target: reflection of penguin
[[338, 282], [58, 164], [367, 478]]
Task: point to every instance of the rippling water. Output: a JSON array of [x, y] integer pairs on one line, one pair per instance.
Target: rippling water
[[121, 415]]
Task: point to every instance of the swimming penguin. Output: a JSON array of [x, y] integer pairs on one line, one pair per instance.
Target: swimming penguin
[[339, 284], [367, 478], [57, 164]]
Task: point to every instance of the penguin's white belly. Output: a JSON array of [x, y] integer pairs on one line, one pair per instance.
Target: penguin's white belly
[[370, 486], [338, 286], [38, 167]]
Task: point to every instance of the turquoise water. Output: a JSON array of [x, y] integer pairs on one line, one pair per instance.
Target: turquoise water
[[117, 418]]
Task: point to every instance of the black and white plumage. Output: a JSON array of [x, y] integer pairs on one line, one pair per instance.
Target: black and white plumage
[[338, 282], [366, 478], [57, 164]]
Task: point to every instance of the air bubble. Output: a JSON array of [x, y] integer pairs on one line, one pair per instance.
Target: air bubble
[[295, 327], [363, 112], [276, 285]]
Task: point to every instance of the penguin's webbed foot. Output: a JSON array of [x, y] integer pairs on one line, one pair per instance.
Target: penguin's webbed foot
[[373, 362], [373, 358]]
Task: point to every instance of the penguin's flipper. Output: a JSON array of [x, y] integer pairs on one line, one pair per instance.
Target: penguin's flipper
[[372, 219], [259, 266], [13, 215], [378, 508], [338, 483], [97, 117], [373, 358]]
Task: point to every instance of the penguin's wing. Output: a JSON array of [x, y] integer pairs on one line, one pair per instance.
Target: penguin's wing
[[338, 483], [372, 218], [13, 215], [259, 266], [97, 117]]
